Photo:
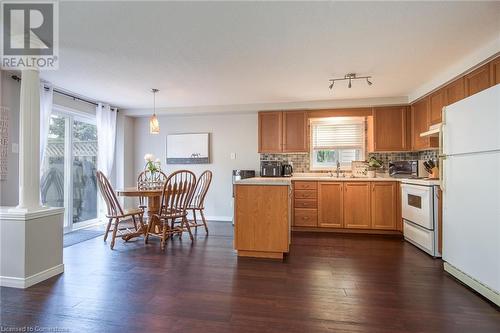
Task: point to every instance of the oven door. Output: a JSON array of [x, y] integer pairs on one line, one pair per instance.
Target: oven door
[[417, 205]]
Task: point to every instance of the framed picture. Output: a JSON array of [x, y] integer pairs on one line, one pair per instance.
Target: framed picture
[[188, 148]]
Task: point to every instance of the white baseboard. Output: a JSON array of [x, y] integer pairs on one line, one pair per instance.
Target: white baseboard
[[481, 288], [220, 218], [212, 217], [15, 282]]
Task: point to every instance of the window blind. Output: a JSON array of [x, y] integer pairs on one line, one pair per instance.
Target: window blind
[[339, 134]]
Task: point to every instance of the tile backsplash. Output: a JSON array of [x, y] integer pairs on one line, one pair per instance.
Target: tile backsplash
[[301, 161]]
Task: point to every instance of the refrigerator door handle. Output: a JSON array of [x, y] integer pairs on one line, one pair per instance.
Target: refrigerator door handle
[[441, 132], [442, 175]]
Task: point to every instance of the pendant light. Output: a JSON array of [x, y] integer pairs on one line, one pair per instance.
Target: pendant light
[[154, 125]]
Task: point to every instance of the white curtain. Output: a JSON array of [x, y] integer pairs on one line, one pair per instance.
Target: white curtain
[[46, 101], [106, 135]]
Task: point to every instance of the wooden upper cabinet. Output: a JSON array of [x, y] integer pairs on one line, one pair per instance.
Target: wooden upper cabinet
[[357, 205], [283, 132], [477, 80], [455, 91], [436, 103], [495, 71], [420, 121], [384, 208], [270, 132], [295, 132], [330, 204], [388, 129]]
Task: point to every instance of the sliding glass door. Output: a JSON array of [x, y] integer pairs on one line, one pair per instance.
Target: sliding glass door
[[69, 168]]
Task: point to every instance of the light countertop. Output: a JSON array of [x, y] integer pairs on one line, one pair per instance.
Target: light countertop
[[325, 177]]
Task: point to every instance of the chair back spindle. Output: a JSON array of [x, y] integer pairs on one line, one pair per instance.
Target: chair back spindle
[[177, 192], [148, 180], [112, 204], [200, 192]]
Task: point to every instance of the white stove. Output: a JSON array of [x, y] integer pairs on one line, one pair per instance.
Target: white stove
[[419, 199]]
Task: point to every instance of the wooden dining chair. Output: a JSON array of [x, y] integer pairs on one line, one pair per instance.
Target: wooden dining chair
[[175, 198], [115, 212], [148, 180], [198, 200]]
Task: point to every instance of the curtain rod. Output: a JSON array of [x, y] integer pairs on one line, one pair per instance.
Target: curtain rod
[[18, 79]]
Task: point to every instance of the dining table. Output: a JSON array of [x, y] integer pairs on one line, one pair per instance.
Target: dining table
[[152, 195]]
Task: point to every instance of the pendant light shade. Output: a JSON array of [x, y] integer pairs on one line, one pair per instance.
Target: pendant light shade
[[154, 124]]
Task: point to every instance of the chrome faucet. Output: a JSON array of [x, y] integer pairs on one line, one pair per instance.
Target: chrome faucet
[[338, 169]]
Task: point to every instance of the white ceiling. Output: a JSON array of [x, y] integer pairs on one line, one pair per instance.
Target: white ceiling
[[227, 53]]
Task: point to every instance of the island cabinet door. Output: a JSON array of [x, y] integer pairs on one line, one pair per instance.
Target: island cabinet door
[[261, 218], [357, 205], [330, 204], [384, 205]]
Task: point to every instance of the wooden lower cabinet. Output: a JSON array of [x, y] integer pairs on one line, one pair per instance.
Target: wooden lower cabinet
[[362, 205], [357, 205], [384, 210], [305, 204], [261, 226], [306, 217], [330, 204]]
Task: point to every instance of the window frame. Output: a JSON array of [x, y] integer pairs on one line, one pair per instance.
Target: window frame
[[312, 164], [72, 115]]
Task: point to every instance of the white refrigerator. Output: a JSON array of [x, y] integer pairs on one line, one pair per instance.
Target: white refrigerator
[[470, 180]]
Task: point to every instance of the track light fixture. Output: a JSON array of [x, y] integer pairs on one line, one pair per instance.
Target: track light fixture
[[350, 77]]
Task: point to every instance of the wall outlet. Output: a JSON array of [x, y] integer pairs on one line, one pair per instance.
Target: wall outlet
[[233, 156], [15, 148]]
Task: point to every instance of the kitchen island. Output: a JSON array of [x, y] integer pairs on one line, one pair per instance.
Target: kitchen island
[[262, 218]]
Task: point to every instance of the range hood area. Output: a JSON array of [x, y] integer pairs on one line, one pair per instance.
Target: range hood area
[[433, 131]]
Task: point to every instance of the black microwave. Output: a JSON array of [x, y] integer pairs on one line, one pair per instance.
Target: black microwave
[[403, 169]]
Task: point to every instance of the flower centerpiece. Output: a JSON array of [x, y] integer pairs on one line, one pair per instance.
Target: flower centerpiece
[[152, 163]]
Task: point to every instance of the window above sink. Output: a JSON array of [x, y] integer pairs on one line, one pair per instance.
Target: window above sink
[[337, 139]]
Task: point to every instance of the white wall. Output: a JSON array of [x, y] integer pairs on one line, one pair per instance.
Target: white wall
[[124, 166], [229, 134], [9, 188]]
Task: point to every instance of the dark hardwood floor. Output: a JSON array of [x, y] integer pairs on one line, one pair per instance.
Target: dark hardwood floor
[[328, 283]]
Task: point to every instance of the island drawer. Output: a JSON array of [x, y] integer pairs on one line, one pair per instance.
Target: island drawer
[[306, 203], [305, 217], [306, 194], [306, 185]]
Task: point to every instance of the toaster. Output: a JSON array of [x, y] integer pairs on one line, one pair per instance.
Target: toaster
[[271, 169]]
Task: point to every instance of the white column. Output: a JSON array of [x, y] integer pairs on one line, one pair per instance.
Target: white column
[[29, 142]]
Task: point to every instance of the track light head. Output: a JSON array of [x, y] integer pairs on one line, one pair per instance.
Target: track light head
[[331, 85], [349, 85], [368, 81]]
